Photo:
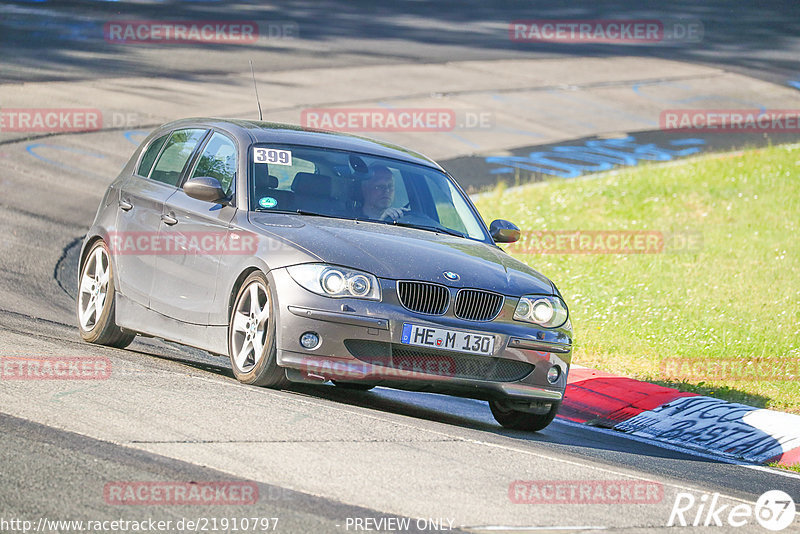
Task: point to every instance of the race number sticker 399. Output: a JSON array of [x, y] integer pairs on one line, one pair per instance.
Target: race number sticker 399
[[272, 155]]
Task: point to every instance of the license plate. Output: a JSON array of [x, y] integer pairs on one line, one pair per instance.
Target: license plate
[[440, 338]]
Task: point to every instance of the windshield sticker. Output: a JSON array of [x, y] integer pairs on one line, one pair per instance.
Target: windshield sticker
[[267, 202], [272, 155]]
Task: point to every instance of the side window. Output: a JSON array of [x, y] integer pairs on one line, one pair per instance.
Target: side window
[[218, 160], [173, 159], [150, 156]]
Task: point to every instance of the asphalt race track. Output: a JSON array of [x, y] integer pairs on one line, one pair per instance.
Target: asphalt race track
[[323, 459]]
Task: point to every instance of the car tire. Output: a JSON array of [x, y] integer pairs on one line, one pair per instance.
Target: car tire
[[517, 420], [252, 344], [353, 386], [97, 324]]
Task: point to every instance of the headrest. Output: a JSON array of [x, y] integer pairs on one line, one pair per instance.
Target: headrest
[[317, 185], [266, 182]]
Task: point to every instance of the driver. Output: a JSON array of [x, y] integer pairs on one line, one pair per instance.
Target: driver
[[378, 194]]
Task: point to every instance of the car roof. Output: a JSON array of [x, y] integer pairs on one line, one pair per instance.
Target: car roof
[[279, 133]]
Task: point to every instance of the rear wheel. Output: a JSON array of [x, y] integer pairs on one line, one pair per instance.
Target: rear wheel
[[251, 335], [95, 302], [519, 420]]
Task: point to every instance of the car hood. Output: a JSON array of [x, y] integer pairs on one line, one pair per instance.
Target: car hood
[[401, 253]]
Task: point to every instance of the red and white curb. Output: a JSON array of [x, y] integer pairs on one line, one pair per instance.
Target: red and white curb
[[687, 420]]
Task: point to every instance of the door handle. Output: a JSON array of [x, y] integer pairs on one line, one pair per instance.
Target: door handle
[[169, 220], [124, 205]]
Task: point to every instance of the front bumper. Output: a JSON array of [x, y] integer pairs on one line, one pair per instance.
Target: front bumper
[[360, 342]]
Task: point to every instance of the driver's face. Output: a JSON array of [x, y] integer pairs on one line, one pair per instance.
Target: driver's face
[[379, 191]]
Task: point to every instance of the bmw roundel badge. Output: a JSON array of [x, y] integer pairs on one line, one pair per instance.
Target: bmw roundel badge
[[450, 275]]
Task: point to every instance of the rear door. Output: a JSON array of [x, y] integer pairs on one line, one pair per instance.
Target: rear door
[[141, 203], [200, 233]]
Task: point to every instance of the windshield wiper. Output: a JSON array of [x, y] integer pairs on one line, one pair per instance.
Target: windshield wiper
[[312, 213], [301, 212], [437, 229]]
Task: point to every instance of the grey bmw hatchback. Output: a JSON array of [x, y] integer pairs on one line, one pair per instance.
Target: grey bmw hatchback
[[312, 256]]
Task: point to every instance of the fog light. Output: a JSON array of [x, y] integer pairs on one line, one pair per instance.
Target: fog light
[[554, 374], [309, 340]]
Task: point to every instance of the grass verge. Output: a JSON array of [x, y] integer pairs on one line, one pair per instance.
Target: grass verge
[[716, 310], [795, 467]]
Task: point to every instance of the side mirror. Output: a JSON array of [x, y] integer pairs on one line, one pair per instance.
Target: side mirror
[[205, 188], [503, 231]]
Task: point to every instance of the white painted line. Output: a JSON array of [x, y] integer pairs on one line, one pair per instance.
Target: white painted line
[[492, 528]]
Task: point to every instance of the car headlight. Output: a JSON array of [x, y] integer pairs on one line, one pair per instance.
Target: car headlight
[[549, 312], [335, 281]]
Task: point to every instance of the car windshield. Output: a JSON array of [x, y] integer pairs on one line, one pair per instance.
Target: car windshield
[[340, 184]]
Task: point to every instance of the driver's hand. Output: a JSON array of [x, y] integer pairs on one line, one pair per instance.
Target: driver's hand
[[394, 213]]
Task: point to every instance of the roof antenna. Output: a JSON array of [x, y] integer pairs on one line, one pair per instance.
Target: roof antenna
[[253, 72]]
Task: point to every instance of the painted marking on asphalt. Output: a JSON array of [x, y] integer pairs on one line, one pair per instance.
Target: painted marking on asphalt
[[673, 163], [595, 155], [135, 133], [33, 147]]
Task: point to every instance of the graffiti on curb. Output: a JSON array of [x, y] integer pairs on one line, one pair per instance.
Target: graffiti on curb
[[724, 427]]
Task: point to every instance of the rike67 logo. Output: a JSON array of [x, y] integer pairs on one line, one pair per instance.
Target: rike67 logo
[[774, 511]]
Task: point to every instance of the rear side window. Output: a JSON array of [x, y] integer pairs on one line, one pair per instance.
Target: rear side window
[[150, 156], [218, 160], [176, 153]]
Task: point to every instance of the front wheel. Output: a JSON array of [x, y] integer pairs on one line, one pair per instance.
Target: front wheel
[[519, 420], [95, 302], [251, 335]]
